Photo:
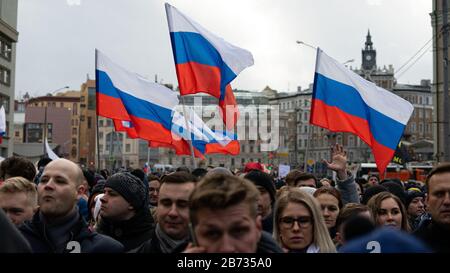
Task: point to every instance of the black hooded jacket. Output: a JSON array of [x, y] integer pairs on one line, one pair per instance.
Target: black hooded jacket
[[82, 239], [436, 236], [131, 233]]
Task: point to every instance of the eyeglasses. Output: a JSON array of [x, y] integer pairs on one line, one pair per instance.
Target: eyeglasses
[[302, 221]]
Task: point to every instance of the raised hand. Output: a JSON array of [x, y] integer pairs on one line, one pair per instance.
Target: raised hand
[[338, 161]]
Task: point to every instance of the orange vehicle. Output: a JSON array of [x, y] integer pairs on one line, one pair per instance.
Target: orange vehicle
[[413, 171]]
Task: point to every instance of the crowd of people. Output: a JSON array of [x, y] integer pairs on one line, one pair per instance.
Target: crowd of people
[[57, 207]]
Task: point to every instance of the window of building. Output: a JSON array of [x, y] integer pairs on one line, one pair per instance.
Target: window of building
[[127, 148], [17, 133], [74, 140], [108, 123], [183, 160], [242, 161], [91, 98], [89, 122], [5, 76], [5, 48], [74, 109], [100, 147], [351, 141], [420, 127], [251, 148], [232, 161], [4, 100], [74, 131]]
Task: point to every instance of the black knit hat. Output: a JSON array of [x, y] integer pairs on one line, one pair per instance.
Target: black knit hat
[[370, 192], [264, 180], [411, 194], [129, 187]]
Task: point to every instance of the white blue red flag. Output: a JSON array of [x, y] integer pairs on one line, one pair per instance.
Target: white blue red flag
[[146, 110], [205, 63], [345, 102]]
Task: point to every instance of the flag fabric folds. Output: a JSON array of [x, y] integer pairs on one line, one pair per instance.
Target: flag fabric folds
[[205, 62], [147, 110], [345, 102], [2, 123], [49, 151]]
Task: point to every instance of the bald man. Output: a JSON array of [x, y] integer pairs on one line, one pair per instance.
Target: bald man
[[58, 226]]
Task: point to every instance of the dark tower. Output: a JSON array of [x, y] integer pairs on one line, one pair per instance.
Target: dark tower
[[369, 55]]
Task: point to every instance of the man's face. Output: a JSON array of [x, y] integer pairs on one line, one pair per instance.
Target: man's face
[[57, 189], [17, 207], [115, 207], [153, 192], [306, 183], [373, 180], [231, 230], [173, 209], [264, 202], [416, 207], [438, 198]]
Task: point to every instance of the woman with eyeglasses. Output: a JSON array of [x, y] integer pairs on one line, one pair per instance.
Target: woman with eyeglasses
[[299, 226]]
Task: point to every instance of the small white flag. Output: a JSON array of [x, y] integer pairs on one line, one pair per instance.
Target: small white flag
[[50, 152]]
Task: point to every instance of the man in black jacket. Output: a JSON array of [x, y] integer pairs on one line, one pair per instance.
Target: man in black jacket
[[436, 232], [124, 212], [58, 227], [172, 214]]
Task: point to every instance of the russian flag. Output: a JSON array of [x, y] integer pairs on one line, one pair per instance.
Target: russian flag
[[205, 62], [126, 96], [345, 102], [147, 110]]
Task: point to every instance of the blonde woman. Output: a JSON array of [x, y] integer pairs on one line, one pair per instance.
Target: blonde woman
[[299, 226]]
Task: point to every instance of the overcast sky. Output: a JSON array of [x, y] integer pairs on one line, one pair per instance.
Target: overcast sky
[[57, 38]]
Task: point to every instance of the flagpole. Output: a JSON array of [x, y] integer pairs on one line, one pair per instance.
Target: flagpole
[[308, 140], [45, 130], [191, 148], [96, 107]]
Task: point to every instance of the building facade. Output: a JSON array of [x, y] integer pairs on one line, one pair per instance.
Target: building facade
[[87, 128], [8, 40], [61, 113]]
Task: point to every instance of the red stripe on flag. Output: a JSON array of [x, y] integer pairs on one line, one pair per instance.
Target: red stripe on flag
[[232, 148], [334, 119], [111, 107], [194, 78]]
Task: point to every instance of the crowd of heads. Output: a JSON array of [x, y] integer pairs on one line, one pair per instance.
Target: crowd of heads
[[216, 210]]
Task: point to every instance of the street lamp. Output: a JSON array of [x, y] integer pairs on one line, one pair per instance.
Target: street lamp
[[303, 43], [349, 61]]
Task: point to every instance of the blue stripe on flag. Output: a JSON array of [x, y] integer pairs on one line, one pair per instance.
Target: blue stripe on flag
[[384, 129]]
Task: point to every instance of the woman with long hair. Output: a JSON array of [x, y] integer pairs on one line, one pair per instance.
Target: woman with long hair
[[330, 202], [299, 225], [388, 210]]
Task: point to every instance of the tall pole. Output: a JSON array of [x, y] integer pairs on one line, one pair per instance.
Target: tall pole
[[308, 140], [45, 130], [445, 28], [96, 115], [191, 148]]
